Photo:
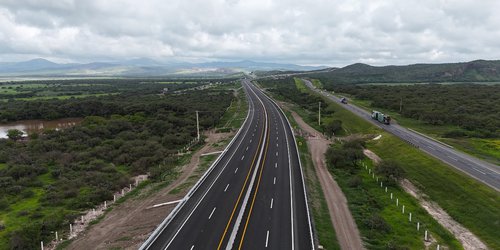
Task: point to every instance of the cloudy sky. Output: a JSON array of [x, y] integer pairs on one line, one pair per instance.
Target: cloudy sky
[[313, 32]]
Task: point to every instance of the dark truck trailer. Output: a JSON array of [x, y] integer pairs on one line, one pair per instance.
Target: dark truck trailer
[[380, 117], [343, 100]]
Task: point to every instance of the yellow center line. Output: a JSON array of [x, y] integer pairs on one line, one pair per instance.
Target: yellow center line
[[256, 191], [241, 192]]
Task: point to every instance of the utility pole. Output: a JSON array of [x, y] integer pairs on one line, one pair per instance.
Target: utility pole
[[401, 105], [197, 125], [319, 113]]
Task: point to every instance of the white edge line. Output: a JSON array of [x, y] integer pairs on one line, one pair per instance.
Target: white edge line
[[301, 171], [212, 213], [156, 233], [267, 237], [249, 190]]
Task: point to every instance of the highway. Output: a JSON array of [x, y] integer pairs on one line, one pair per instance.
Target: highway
[[252, 197], [482, 171]]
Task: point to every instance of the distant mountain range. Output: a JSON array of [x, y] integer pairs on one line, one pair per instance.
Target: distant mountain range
[[139, 67], [474, 71]]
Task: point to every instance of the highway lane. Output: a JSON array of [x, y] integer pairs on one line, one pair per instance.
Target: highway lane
[[278, 217], [212, 214], [202, 219], [482, 171]]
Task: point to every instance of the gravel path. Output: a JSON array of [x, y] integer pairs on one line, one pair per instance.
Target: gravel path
[[345, 227]]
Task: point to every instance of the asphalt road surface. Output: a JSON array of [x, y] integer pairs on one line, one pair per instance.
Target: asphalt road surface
[[253, 197], [482, 171]]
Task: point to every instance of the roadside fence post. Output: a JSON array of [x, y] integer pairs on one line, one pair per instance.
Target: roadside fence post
[[418, 226], [391, 196], [397, 202], [410, 217], [425, 235], [41, 245], [403, 209]]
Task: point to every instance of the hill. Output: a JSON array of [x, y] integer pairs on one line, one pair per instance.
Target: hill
[[139, 67], [474, 71]]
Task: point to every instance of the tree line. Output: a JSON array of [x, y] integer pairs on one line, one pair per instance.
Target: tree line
[[76, 168], [474, 108]]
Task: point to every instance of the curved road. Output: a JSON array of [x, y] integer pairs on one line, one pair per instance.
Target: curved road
[[252, 197], [482, 171]]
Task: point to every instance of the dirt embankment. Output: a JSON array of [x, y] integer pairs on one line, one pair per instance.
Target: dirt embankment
[[346, 230], [129, 224], [468, 240]]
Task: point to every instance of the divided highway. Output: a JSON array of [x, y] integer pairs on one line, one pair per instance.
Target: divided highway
[[252, 197], [484, 172]]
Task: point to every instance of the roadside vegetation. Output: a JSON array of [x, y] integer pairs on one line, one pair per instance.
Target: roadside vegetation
[[470, 203], [48, 178], [462, 115]]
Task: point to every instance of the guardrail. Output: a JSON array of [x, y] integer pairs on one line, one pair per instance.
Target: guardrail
[[301, 171], [156, 233]]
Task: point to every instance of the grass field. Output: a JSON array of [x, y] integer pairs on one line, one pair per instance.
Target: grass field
[[300, 85], [472, 204], [235, 115], [317, 83]]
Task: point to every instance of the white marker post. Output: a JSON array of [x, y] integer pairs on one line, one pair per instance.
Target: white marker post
[[386, 189], [425, 235], [57, 237], [70, 229], [114, 197], [380, 183], [403, 209], [437, 247], [418, 226], [391, 196], [105, 205], [410, 217], [41, 245], [397, 202]]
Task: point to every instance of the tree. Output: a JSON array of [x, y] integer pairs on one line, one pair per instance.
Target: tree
[[334, 127], [390, 170], [14, 134]]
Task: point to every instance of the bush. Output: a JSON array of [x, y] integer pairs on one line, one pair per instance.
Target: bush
[[355, 181], [390, 170], [376, 222]]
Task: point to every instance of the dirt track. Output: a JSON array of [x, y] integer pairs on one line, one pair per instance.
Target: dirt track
[[345, 228], [130, 223]]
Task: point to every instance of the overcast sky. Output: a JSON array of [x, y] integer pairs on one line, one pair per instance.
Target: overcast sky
[[318, 32]]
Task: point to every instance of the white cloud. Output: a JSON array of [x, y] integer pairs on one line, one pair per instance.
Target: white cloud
[[308, 32]]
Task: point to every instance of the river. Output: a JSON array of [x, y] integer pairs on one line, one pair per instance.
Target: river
[[29, 126]]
